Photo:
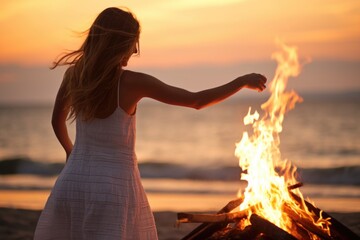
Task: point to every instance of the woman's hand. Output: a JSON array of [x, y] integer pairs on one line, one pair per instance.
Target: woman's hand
[[254, 81]]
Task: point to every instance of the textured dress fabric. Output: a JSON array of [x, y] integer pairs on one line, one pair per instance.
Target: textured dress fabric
[[98, 194]]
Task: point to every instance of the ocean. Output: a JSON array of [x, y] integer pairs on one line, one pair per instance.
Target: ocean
[[188, 152]]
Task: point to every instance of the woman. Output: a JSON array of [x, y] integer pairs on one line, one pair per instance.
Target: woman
[[99, 194]]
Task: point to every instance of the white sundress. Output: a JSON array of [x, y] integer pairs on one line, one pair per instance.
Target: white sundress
[[99, 195]]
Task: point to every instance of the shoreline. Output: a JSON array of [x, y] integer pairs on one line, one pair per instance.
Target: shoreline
[[21, 223], [173, 202]]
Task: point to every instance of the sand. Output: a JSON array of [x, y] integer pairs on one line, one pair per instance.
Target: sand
[[19, 224]]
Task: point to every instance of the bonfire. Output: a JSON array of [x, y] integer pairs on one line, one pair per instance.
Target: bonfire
[[271, 206]]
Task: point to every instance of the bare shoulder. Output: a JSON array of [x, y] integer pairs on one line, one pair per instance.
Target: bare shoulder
[[139, 82], [133, 77], [130, 91]]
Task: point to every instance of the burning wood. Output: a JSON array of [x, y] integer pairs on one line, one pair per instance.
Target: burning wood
[[306, 223], [212, 218], [268, 229], [207, 229], [268, 209], [229, 228], [337, 229], [220, 222], [223, 215]]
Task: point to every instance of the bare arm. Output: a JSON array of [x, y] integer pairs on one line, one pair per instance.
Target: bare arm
[[141, 85], [59, 116]]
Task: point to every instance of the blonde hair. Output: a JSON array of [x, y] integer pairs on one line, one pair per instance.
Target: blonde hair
[[95, 65]]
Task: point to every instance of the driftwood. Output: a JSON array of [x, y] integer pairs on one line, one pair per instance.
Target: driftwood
[[213, 218], [223, 215], [296, 185], [231, 205], [337, 229], [225, 225], [306, 223], [269, 229], [206, 229], [299, 231], [248, 233], [260, 229], [263, 237]]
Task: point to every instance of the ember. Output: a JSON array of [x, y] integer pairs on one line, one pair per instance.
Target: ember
[[271, 207]]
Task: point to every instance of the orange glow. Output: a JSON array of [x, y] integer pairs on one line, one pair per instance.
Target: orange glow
[[267, 174], [186, 32], [27, 199]]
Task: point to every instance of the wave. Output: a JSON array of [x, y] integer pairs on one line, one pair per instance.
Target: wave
[[23, 165], [154, 170], [348, 175], [177, 171]]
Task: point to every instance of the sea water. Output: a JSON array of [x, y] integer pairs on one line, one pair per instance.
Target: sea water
[[183, 151]]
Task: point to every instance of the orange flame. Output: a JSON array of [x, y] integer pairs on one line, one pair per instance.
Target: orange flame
[[267, 174]]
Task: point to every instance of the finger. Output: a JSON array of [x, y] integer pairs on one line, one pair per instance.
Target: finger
[[262, 87], [263, 78]]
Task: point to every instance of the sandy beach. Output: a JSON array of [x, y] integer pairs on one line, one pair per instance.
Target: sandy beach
[[20, 210], [20, 224]]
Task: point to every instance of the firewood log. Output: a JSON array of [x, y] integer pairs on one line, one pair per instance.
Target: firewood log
[[306, 223], [212, 218], [296, 185], [299, 231], [207, 229], [337, 229], [264, 237], [269, 229], [248, 233]]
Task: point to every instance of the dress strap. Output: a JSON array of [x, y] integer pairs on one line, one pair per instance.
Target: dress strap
[[118, 88]]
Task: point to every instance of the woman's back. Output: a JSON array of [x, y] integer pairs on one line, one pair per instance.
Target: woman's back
[[99, 192], [113, 130]]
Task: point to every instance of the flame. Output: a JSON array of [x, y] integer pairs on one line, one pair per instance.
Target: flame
[[267, 174]]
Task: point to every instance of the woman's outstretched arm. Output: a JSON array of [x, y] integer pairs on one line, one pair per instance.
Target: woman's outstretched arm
[[59, 117], [142, 85]]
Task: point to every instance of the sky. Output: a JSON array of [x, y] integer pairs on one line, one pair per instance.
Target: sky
[[186, 43]]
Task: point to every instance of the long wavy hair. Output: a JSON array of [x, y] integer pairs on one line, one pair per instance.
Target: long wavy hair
[[94, 66]]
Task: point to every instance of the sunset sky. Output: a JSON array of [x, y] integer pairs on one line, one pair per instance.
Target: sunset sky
[[189, 43]]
